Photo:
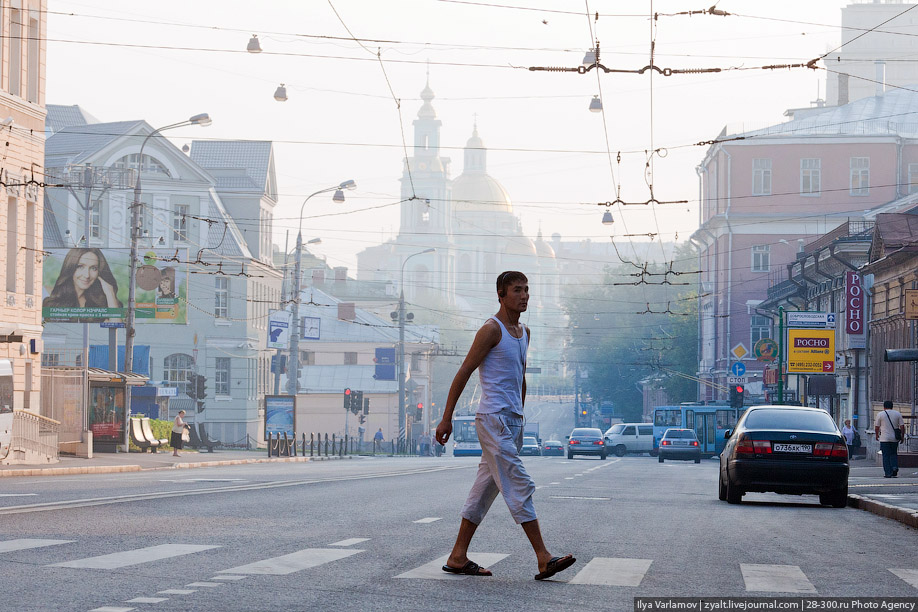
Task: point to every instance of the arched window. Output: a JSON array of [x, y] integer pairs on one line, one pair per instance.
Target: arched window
[[150, 164], [176, 370]]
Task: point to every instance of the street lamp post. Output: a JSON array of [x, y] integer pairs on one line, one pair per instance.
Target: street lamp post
[[202, 119], [293, 364], [402, 433]]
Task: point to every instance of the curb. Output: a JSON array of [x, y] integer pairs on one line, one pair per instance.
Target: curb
[[114, 469], [903, 515]]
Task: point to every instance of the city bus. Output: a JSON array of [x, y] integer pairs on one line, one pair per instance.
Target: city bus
[[709, 422], [465, 437]]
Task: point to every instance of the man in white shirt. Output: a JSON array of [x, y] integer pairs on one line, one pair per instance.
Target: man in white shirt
[[885, 426]]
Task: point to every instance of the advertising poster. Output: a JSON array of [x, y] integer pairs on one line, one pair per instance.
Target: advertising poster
[[811, 351], [88, 285], [279, 329], [280, 415]]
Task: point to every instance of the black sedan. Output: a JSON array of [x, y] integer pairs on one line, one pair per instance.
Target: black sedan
[[586, 441], [679, 444], [785, 449], [552, 447]]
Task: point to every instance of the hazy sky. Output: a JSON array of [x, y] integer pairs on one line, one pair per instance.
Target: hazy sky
[[167, 60]]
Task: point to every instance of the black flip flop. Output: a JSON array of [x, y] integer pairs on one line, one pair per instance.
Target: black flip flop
[[469, 569], [557, 564]]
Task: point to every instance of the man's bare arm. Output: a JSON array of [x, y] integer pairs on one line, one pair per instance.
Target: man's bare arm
[[486, 339]]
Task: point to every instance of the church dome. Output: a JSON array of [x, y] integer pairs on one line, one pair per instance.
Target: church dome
[[543, 248], [474, 190], [520, 245]]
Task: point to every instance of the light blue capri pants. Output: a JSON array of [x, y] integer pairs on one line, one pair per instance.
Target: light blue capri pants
[[500, 470]]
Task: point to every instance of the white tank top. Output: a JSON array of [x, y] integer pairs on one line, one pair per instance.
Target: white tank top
[[501, 374]]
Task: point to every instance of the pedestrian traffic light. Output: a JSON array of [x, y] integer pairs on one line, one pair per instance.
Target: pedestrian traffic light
[[347, 399], [737, 395]]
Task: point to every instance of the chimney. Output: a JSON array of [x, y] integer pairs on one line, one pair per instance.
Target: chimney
[[881, 78], [347, 311], [318, 277], [842, 89], [340, 274]]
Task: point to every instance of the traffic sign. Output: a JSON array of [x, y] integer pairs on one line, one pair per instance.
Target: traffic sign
[[737, 380], [738, 368]]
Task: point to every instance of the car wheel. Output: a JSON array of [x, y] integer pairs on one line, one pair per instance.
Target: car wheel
[[734, 493], [837, 498], [620, 450], [697, 459], [660, 459], [721, 488], [654, 452]]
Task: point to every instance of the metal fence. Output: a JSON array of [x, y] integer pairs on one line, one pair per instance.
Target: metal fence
[[62, 399], [34, 435]]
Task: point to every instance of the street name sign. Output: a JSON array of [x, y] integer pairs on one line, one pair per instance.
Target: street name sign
[[811, 320]]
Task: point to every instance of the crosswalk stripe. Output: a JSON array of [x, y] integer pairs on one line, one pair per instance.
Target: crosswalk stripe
[[112, 609], [150, 600], [908, 575], [26, 543], [134, 557], [294, 562], [611, 571], [434, 569], [228, 577], [177, 592], [429, 519], [349, 542], [775, 578], [204, 584]]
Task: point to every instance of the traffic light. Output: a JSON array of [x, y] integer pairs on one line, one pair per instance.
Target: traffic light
[[347, 399], [357, 402], [201, 387], [419, 412], [737, 395], [366, 407]]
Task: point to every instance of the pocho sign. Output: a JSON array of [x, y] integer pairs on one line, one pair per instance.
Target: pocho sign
[[810, 351]]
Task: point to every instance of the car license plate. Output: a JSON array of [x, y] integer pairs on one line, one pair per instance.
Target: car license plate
[[793, 448]]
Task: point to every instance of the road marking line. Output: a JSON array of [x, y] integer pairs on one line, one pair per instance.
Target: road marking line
[[434, 569], [150, 600], [294, 562], [908, 575], [350, 542], [18, 494], [579, 497], [177, 592], [228, 577], [610, 571], [111, 609], [775, 578], [429, 519], [554, 483], [568, 478], [135, 557], [26, 543], [207, 585]]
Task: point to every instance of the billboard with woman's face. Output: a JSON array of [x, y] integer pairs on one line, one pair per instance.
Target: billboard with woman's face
[[87, 285]]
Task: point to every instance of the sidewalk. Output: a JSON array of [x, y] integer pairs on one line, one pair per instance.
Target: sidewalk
[[109, 463]]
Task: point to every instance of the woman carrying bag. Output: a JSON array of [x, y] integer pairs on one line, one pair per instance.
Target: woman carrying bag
[[179, 427]]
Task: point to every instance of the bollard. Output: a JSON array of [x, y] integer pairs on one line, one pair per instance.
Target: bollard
[[345, 443], [333, 445], [341, 444], [286, 445], [304, 444], [312, 441], [326, 445], [269, 445]]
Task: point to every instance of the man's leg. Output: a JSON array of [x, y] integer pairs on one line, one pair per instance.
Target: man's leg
[[460, 553], [532, 531], [887, 449]]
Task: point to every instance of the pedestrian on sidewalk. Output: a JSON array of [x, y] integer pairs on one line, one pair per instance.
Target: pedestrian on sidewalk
[[377, 440], [499, 354], [178, 428], [889, 427], [425, 441], [849, 433]]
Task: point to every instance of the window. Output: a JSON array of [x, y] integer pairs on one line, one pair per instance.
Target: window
[[759, 327], [810, 176], [150, 164], [761, 258], [860, 176], [32, 64], [30, 253], [50, 358], [179, 223], [912, 178], [629, 431], [16, 52], [221, 297], [307, 358], [222, 376], [95, 220], [177, 368], [415, 362], [350, 359], [761, 177], [645, 430], [12, 242]]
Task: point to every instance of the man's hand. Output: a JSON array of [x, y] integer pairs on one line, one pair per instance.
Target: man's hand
[[444, 429]]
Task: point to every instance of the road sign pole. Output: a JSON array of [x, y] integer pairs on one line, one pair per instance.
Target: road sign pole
[[780, 355]]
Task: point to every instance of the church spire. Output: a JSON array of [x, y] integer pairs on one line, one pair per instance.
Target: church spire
[[476, 156]]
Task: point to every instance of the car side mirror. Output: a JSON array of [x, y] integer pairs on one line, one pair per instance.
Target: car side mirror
[[727, 434]]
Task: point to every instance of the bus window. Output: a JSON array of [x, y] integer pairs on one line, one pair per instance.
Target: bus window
[[726, 419], [690, 419], [464, 431], [668, 418]]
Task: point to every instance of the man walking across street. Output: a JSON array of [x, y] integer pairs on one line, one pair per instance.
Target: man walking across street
[[499, 354], [889, 427]]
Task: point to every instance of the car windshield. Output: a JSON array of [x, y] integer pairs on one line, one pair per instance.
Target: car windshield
[[586, 432], [615, 429], [679, 433], [530, 441], [783, 418]]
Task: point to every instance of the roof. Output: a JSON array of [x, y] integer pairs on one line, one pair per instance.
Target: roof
[[897, 230], [893, 113], [253, 156], [72, 145], [51, 232], [60, 117], [221, 240]]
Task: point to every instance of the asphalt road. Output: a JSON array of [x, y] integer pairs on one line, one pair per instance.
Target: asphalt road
[[368, 534]]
